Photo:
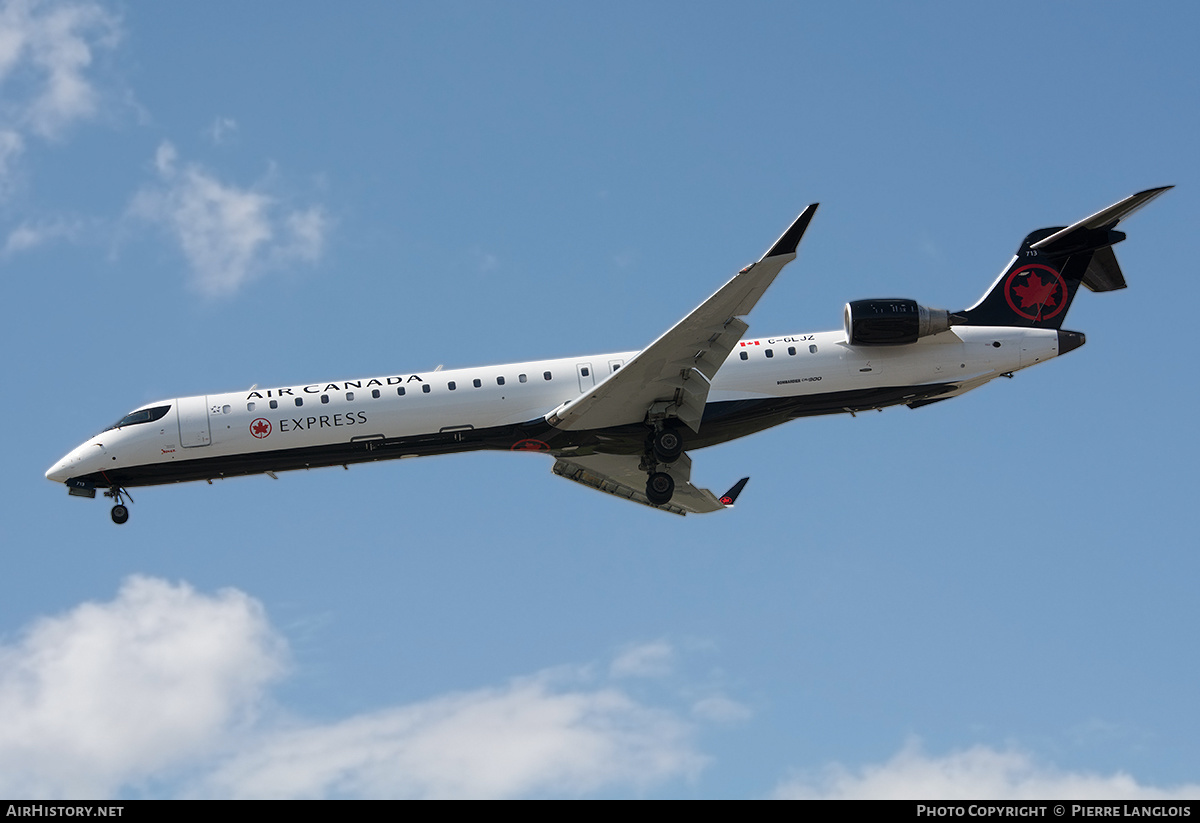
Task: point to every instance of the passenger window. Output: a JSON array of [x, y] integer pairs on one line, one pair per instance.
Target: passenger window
[[299, 401], [349, 395], [375, 393], [324, 398], [812, 349], [499, 381], [249, 407], [744, 356], [451, 385], [546, 375], [791, 349], [522, 378], [476, 382], [770, 353], [400, 390], [425, 388], [274, 404]]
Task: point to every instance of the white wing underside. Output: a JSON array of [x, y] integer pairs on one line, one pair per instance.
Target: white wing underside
[[671, 377], [677, 369], [620, 475]]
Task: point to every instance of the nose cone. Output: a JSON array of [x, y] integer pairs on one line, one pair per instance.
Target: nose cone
[[83, 459], [60, 472]]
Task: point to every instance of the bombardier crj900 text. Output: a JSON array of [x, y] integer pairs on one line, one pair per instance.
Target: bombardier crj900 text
[[623, 422]]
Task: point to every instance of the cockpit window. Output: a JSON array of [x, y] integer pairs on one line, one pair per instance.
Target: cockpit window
[[140, 416]]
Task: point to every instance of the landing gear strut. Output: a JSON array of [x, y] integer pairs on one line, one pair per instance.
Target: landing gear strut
[[120, 513]]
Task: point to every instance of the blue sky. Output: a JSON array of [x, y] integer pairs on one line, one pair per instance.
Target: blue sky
[[993, 596]]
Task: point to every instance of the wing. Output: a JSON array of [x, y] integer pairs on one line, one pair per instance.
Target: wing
[[621, 475], [678, 368]]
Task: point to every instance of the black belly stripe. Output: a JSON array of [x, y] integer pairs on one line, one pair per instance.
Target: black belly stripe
[[723, 421]]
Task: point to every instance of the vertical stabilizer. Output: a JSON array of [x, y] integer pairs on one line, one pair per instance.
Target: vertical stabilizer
[[1037, 287]]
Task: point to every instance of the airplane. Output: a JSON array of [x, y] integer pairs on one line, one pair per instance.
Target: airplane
[[625, 422]]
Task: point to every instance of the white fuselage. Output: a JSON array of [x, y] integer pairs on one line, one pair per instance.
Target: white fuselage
[[243, 432]]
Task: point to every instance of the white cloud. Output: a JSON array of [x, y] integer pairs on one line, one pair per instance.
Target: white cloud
[[31, 234], [227, 234], [222, 130], [166, 686], [61, 41], [306, 231], [112, 692], [164, 159], [721, 709], [978, 773], [534, 736], [655, 659], [46, 50], [11, 147]]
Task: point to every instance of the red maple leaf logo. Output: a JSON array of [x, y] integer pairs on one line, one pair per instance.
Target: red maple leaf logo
[[261, 427], [1035, 292], [1039, 290]]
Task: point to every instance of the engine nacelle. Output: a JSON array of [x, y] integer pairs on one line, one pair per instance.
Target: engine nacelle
[[892, 322]]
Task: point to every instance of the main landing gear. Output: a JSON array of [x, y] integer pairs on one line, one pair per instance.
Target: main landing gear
[[664, 446], [659, 488], [120, 512], [667, 445]]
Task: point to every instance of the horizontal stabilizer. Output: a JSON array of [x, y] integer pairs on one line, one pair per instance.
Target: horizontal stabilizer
[[1089, 233]]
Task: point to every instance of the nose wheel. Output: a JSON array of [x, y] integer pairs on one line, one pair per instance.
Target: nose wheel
[[120, 512]]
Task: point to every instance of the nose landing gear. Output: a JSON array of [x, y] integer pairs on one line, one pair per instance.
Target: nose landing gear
[[120, 513]]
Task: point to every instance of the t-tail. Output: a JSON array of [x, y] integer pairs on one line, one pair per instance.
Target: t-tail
[[1037, 287]]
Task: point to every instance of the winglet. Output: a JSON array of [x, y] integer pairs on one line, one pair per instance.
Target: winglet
[[730, 497], [790, 239]]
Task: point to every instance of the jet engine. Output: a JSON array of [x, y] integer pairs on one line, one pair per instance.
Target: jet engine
[[893, 322]]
